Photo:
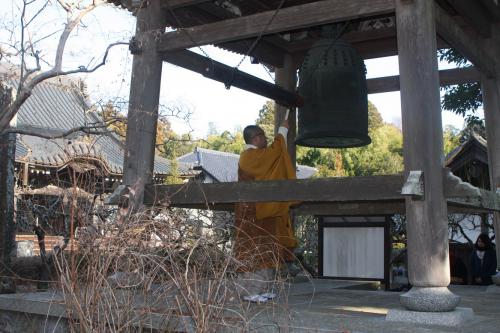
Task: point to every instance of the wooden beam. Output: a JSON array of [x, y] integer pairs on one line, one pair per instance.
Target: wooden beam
[[265, 52], [231, 77], [371, 208], [320, 191], [174, 4], [305, 190], [369, 44], [446, 78], [493, 9], [351, 208], [473, 14], [209, 12], [290, 18], [469, 44]]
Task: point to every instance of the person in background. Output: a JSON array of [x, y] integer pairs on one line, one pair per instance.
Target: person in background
[[483, 262]]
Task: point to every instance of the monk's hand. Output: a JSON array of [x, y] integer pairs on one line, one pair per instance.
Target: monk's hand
[[285, 124]]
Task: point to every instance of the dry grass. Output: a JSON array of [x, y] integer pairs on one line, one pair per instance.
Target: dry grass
[[155, 272]]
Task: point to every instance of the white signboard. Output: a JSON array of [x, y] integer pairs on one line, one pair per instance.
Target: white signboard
[[353, 252]]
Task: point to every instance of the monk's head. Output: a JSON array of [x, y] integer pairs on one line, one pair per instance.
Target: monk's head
[[254, 135]]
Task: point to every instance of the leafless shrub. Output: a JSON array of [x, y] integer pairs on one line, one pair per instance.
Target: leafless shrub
[[155, 270]]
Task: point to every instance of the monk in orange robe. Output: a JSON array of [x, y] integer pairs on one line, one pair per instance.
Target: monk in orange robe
[[264, 235]]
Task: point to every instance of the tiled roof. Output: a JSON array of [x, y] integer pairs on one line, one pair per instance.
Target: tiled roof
[[223, 166], [473, 140], [57, 106]]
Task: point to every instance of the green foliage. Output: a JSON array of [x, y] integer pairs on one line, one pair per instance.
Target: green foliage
[[383, 156], [451, 139], [115, 120], [451, 55], [226, 141], [462, 99], [266, 118], [176, 145], [375, 120], [474, 126], [174, 176]]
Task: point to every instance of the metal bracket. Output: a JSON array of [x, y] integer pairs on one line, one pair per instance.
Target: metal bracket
[[414, 185], [135, 46]]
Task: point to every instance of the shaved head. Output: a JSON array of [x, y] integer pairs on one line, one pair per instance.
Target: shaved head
[[250, 132]]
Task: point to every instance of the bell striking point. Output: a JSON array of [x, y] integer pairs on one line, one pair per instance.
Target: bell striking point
[[332, 80]]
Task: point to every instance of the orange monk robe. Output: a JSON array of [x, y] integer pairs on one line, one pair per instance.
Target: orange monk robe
[[263, 229]]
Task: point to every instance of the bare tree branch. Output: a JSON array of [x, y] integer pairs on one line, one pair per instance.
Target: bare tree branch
[[25, 92], [26, 80]]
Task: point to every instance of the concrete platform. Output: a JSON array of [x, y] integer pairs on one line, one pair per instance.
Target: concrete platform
[[307, 306], [456, 318]]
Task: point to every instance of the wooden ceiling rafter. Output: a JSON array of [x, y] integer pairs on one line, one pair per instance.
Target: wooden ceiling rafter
[[493, 9], [467, 42], [287, 19], [475, 15], [175, 4], [266, 51]]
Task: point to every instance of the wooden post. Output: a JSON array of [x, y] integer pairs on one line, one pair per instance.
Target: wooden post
[[143, 102], [7, 184], [491, 105], [426, 217], [286, 77]]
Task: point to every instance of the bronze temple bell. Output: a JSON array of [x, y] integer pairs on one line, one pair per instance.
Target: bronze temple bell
[[332, 80]]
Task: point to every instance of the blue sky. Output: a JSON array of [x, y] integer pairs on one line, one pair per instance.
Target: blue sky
[[209, 101]]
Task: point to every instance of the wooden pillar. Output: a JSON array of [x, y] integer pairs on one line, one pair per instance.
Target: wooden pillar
[[426, 217], [143, 102], [7, 184], [491, 105], [286, 77]]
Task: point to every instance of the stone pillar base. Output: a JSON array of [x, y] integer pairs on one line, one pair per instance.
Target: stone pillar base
[[493, 289], [453, 318], [429, 299], [496, 278]]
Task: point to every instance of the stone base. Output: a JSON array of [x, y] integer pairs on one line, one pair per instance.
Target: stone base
[[496, 278], [493, 289], [453, 318], [429, 299]]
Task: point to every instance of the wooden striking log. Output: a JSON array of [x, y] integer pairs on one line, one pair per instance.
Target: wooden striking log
[[290, 18], [232, 77], [469, 44], [447, 77]]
